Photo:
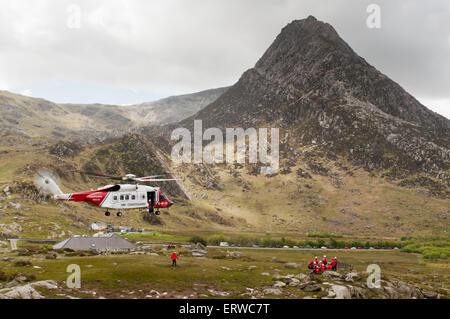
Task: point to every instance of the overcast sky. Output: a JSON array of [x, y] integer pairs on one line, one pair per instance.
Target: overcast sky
[[126, 52]]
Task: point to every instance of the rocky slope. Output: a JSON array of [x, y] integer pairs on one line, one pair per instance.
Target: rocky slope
[[171, 109], [314, 87], [33, 117]]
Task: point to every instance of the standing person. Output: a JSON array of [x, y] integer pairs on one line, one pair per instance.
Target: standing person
[[174, 259], [324, 259], [334, 263]]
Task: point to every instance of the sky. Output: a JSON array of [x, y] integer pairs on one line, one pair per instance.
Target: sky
[[134, 51]]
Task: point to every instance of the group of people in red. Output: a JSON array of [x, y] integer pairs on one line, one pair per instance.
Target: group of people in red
[[322, 265]]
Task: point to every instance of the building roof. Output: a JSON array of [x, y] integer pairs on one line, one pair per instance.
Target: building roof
[[110, 242]]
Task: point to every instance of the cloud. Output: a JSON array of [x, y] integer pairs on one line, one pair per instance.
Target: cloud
[[166, 47]]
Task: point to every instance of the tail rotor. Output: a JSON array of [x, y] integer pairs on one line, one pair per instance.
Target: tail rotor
[[47, 182]]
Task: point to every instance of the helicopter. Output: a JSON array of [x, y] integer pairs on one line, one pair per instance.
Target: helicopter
[[115, 196]]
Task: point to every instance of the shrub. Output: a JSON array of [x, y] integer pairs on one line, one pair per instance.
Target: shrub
[[215, 240], [28, 277], [22, 263], [198, 239]]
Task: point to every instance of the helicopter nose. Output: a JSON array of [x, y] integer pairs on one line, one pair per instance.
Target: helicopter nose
[[170, 203]]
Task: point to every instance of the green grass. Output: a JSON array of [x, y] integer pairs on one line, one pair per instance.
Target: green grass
[[115, 275], [156, 237], [430, 248]]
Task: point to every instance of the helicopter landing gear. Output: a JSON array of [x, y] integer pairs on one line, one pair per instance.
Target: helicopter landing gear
[[157, 213], [107, 213], [119, 214]]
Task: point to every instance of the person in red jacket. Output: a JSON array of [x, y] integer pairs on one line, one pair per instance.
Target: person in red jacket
[[316, 269], [316, 260], [334, 263], [324, 260], [311, 264], [174, 259]]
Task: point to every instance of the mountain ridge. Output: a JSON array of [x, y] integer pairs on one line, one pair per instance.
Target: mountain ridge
[[315, 88]]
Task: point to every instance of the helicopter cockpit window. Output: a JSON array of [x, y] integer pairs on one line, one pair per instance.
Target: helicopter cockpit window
[[163, 197]]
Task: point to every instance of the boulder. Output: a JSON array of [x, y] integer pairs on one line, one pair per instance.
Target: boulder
[[198, 253], [341, 292], [301, 276], [273, 291], [21, 292], [12, 283], [311, 287], [7, 191], [404, 289], [391, 292], [352, 277], [48, 284], [291, 265], [235, 254], [279, 284], [331, 274], [276, 260], [357, 292], [430, 294], [294, 282]]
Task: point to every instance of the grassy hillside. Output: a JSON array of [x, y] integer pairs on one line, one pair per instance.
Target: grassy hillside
[[225, 199]]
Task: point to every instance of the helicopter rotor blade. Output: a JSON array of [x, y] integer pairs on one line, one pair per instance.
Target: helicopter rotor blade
[[157, 179], [152, 176], [101, 175]]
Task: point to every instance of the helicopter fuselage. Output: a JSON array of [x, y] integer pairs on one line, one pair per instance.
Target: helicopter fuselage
[[121, 196]]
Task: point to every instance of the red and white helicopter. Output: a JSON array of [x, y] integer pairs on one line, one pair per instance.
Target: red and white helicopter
[[117, 197]]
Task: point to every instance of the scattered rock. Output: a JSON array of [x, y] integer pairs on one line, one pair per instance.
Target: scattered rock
[[279, 284], [341, 292], [294, 282], [276, 260], [27, 291], [48, 284], [430, 294], [291, 265], [235, 254], [273, 291], [331, 274], [21, 292], [352, 277], [310, 287], [301, 276]]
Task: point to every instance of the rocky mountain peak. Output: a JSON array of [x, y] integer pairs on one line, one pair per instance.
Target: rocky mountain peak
[[312, 84]]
